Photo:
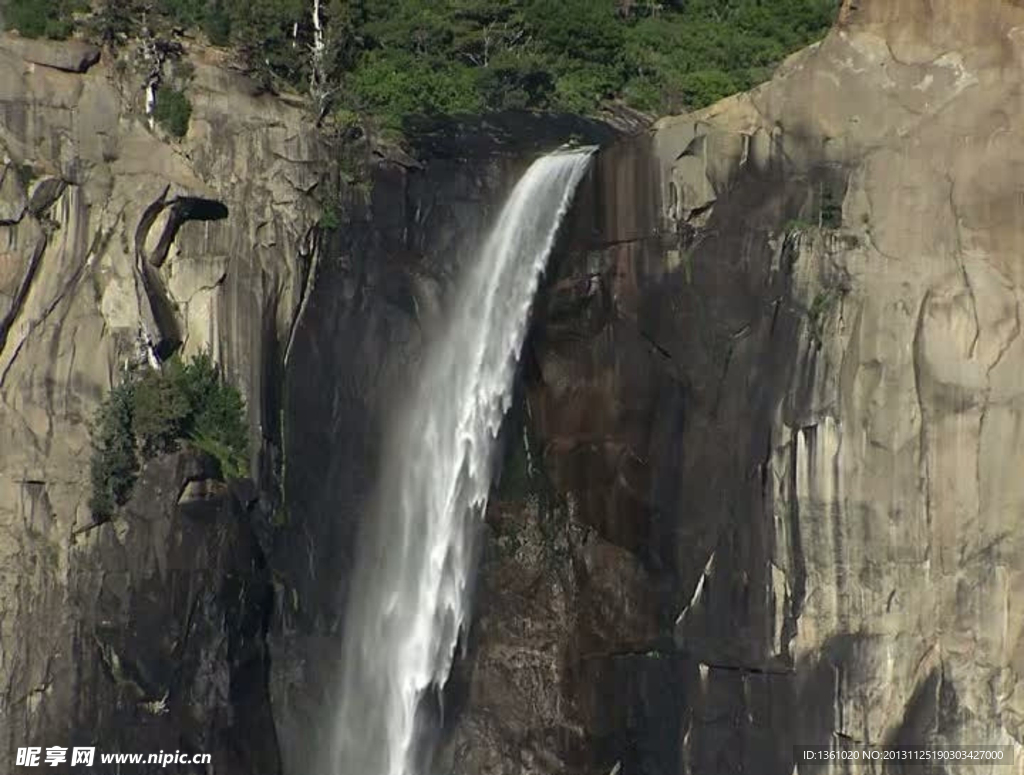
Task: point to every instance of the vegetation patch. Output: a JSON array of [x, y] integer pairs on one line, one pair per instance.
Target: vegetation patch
[[27, 173], [831, 211], [797, 225], [821, 309], [172, 110], [41, 18], [397, 59], [426, 57], [330, 212], [155, 411]]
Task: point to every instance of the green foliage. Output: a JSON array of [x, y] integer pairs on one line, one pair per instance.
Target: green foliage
[[395, 59], [187, 13], [113, 21], [216, 421], [398, 58], [395, 86], [577, 31], [514, 81], [798, 224], [172, 110], [114, 465], [708, 49], [582, 88], [160, 409], [41, 18], [831, 209], [26, 172], [152, 412], [211, 16], [262, 31], [229, 461], [422, 56], [217, 24], [329, 218], [644, 93], [821, 308]]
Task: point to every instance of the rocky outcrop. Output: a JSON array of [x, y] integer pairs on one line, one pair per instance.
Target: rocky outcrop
[[759, 487], [72, 56], [775, 389], [381, 280], [117, 243], [174, 597]]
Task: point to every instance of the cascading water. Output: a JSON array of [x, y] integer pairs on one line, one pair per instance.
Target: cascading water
[[409, 594]]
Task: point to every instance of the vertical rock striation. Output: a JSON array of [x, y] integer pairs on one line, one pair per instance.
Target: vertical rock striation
[[114, 242], [776, 399], [382, 280], [762, 478]]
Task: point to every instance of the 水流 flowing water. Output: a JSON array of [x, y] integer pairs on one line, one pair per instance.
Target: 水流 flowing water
[[409, 595]]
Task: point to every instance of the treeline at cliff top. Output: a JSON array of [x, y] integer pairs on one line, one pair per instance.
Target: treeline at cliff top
[[397, 58]]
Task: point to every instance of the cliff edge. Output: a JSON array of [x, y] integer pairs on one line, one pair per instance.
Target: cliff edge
[[117, 243], [775, 391]]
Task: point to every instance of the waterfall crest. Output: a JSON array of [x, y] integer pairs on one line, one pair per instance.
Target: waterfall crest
[[409, 595]]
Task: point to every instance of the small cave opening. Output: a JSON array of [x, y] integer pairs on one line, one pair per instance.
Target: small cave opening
[[189, 208]]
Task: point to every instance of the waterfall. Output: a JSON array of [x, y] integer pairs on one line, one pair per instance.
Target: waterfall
[[409, 595]]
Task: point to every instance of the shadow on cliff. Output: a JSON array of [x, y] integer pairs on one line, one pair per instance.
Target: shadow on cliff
[[659, 354], [178, 596], [517, 133]]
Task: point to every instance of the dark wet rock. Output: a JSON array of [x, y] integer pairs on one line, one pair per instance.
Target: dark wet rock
[[174, 595], [83, 180], [510, 133], [771, 398]]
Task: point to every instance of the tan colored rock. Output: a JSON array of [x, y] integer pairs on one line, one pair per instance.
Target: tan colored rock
[[811, 346], [72, 55], [74, 307], [12, 196], [896, 436]]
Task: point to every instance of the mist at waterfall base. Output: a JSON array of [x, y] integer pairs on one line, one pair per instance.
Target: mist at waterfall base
[[409, 595]]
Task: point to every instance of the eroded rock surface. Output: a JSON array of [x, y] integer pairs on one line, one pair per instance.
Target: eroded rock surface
[[776, 386], [115, 241], [771, 402], [381, 281], [175, 597]]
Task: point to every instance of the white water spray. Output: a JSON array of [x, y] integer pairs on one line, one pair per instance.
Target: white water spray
[[409, 595]]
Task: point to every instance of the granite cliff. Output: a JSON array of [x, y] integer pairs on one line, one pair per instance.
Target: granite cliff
[[148, 630], [775, 394], [760, 483]]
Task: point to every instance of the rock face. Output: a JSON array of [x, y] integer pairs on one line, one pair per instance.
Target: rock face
[[761, 481], [175, 597], [114, 242], [381, 280], [72, 56], [775, 389]]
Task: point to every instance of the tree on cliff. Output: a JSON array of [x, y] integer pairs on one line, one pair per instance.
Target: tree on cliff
[[42, 18], [154, 411], [396, 58]]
